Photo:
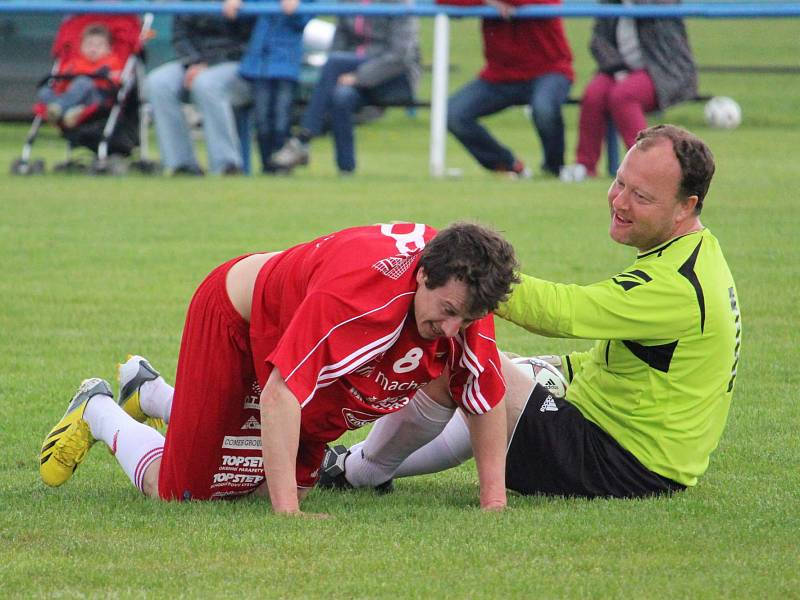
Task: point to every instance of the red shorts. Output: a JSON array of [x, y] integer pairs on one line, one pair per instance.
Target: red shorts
[[213, 446]]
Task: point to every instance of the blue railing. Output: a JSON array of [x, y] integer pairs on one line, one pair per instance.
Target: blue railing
[[711, 10]]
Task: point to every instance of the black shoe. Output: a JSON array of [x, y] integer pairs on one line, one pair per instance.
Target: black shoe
[[332, 472], [192, 170], [275, 170], [232, 170]]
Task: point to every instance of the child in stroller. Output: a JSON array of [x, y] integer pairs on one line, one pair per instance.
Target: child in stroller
[[95, 71], [93, 94]]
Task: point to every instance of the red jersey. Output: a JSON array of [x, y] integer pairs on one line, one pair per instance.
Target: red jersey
[[521, 49], [335, 316]]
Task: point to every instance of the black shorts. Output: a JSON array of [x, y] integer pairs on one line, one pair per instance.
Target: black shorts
[[556, 451]]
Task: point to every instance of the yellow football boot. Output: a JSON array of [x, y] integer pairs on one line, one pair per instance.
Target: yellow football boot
[[131, 374], [68, 442]]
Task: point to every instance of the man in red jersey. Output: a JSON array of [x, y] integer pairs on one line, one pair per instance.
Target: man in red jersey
[[528, 61], [283, 352]]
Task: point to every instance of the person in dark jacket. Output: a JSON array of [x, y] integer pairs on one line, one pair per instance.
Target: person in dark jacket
[[271, 64], [208, 48], [528, 61], [374, 60], [644, 65]]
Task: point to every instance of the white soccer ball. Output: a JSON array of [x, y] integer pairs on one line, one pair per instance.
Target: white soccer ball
[[723, 113], [543, 373]]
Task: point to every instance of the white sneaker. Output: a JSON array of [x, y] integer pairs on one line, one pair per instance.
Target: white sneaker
[[293, 153], [132, 374], [573, 173], [517, 171]]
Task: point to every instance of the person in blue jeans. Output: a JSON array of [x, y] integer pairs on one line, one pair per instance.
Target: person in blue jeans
[[208, 49], [528, 61], [271, 64], [374, 60]]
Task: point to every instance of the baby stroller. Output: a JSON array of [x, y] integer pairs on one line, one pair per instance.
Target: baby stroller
[[112, 128]]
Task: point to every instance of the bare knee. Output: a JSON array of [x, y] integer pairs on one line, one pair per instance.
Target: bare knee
[[150, 480], [518, 389], [438, 390]]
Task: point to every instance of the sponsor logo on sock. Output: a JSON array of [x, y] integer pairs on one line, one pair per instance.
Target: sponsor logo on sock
[[114, 443], [549, 405]]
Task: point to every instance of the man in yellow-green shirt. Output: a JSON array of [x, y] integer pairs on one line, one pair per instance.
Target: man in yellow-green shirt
[[646, 406]]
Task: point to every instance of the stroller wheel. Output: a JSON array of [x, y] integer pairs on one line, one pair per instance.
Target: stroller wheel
[[114, 165], [23, 167]]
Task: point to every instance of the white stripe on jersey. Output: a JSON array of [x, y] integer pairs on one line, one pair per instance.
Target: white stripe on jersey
[[471, 397], [327, 375], [342, 324], [486, 337], [335, 370]]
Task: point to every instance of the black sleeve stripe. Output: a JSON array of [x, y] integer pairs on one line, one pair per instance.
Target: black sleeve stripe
[[641, 274], [570, 372], [657, 357], [625, 284], [687, 270]]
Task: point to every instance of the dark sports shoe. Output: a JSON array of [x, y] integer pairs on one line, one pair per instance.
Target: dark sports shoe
[[190, 170], [332, 472]]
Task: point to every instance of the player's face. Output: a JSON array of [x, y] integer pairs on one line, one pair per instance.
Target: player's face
[[643, 198], [440, 312]]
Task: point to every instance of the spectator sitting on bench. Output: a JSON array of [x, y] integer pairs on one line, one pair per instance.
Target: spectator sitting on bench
[[528, 61], [208, 50], [374, 60], [643, 65]]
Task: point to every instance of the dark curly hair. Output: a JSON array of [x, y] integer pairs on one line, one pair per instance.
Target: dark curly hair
[[694, 158], [476, 255]]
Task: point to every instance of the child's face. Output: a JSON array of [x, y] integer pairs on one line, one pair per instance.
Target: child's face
[[95, 47]]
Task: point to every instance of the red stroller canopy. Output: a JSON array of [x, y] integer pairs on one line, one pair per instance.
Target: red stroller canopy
[[125, 34]]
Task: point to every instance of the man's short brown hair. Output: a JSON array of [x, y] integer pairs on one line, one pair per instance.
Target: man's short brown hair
[[476, 255], [694, 157]]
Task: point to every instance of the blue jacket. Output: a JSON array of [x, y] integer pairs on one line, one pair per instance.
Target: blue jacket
[[276, 47]]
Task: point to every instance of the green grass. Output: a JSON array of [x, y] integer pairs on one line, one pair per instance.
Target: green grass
[[95, 268]]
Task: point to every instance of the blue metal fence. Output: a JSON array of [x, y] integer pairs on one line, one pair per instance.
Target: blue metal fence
[[712, 10]]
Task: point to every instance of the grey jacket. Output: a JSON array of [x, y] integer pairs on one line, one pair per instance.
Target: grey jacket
[[390, 44], [665, 50]]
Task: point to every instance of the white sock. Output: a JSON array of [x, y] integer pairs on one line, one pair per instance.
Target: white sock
[[155, 398], [393, 438], [451, 448], [134, 444]]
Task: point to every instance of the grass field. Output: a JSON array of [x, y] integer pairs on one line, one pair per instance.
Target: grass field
[[96, 268]]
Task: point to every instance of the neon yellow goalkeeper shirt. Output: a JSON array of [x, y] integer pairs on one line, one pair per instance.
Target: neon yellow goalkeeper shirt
[[661, 376]]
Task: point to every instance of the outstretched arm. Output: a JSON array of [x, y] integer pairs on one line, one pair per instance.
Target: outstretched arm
[[280, 437], [488, 436]]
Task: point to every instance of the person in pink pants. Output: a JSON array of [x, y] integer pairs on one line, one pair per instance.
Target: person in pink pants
[[644, 65]]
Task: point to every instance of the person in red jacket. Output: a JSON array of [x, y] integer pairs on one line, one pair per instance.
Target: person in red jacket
[[528, 61], [66, 104]]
